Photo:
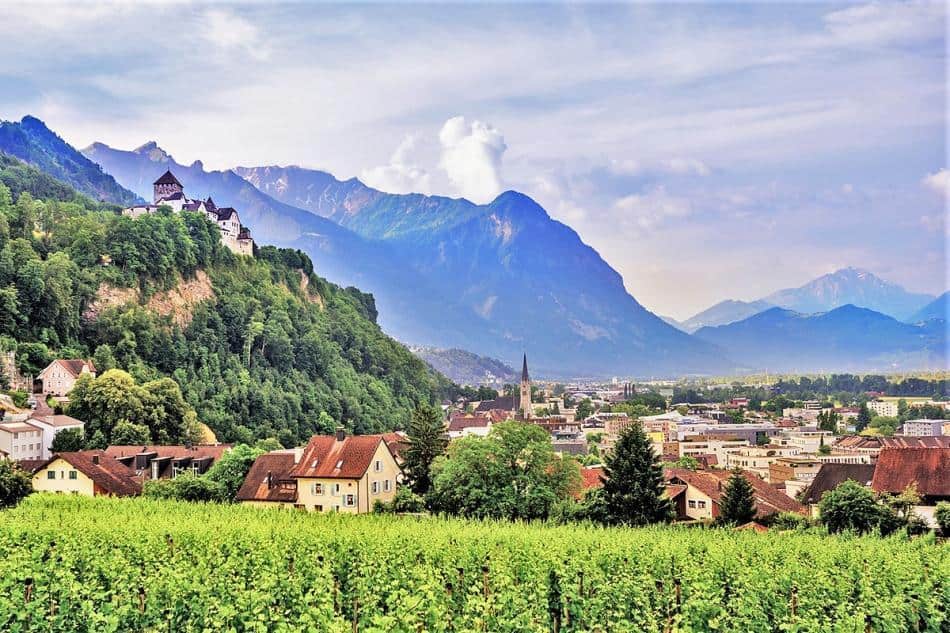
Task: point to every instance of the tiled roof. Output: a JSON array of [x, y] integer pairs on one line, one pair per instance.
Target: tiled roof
[[396, 442], [768, 499], [929, 468], [108, 474], [74, 365], [858, 441], [226, 213], [168, 178], [32, 465], [214, 451], [282, 487], [57, 421], [326, 457], [18, 427], [675, 490], [462, 422], [909, 441], [830, 476], [590, 477], [503, 403]]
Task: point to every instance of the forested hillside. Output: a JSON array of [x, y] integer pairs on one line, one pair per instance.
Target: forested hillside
[[273, 350]]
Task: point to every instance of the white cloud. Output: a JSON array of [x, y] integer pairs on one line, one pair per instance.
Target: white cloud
[[650, 210], [938, 181], [888, 22], [229, 31], [471, 158], [403, 174]]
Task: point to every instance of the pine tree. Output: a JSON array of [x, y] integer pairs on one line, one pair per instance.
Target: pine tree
[[634, 487], [737, 505], [427, 440]]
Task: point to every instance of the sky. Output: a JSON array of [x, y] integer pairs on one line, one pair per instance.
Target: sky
[[706, 151]]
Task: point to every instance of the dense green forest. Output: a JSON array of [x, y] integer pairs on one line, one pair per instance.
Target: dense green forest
[[276, 352]]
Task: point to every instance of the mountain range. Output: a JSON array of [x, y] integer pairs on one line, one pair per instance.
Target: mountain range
[[500, 278], [936, 309], [503, 278], [466, 368], [847, 338], [847, 286]]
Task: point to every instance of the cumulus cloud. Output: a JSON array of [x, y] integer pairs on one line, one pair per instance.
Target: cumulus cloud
[[650, 210], [403, 174], [229, 31], [471, 158], [938, 181]]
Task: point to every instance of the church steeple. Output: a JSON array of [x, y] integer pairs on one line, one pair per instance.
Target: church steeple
[[525, 396]]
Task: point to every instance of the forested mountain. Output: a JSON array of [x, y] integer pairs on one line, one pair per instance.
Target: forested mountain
[[33, 143], [724, 312], [936, 309], [260, 346], [466, 368], [846, 338], [850, 286]]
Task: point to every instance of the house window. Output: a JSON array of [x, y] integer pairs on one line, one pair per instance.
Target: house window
[[700, 504], [375, 487], [691, 503], [387, 485], [336, 489], [349, 501], [316, 489], [378, 466], [72, 474], [51, 474]]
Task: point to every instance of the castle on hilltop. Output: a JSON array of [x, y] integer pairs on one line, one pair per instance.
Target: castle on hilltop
[[168, 191]]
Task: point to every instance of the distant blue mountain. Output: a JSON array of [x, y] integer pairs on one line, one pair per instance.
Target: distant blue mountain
[[34, 143], [724, 312], [936, 309], [850, 286], [847, 338]]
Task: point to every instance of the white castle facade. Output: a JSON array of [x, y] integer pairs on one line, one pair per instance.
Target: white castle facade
[[168, 191]]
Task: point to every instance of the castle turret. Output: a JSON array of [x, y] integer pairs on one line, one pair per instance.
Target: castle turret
[[525, 397], [166, 186]]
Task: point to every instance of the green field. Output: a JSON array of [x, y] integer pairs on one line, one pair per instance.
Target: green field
[[75, 564]]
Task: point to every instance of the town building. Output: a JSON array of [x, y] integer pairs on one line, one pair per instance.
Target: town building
[[696, 494], [462, 424], [59, 377], [525, 391], [21, 440], [696, 446], [168, 191], [927, 469], [758, 459], [87, 473], [331, 473], [167, 461], [923, 428], [887, 408], [52, 425], [830, 476]]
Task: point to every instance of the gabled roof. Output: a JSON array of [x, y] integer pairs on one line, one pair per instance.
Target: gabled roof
[[503, 403], [462, 422], [110, 475], [396, 442], [168, 178], [226, 213], [73, 365], [327, 457], [280, 488], [209, 204], [712, 483], [830, 476], [929, 468], [57, 421]]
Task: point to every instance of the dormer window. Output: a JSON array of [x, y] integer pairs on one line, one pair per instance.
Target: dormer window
[[339, 464]]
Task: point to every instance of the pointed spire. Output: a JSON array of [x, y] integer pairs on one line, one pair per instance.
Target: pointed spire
[[524, 370]]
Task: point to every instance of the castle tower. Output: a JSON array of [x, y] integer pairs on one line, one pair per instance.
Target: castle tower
[[525, 398], [166, 186]]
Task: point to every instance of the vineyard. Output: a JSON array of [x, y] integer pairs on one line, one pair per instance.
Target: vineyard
[[99, 565]]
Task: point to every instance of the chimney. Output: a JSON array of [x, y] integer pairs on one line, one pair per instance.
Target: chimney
[[340, 434], [95, 459], [270, 479]]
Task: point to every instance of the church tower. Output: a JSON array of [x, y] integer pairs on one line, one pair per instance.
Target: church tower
[[525, 399]]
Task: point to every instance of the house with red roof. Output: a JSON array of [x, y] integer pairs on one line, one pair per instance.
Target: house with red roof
[[88, 473], [345, 473], [59, 377], [696, 494], [927, 469]]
